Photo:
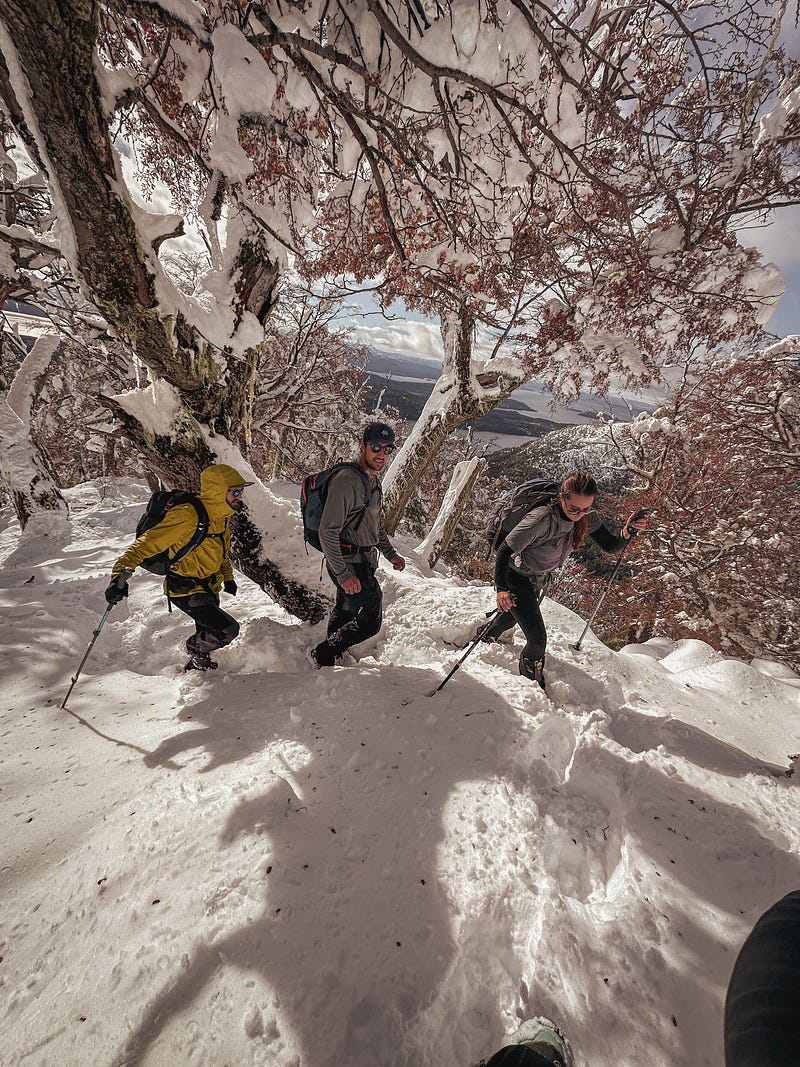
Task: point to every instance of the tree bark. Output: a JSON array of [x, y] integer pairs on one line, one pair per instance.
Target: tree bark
[[55, 47], [24, 470], [50, 89], [460, 394], [464, 477]]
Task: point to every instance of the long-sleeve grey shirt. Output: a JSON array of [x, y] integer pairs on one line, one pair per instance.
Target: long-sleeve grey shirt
[[340, 521], [541, 542]]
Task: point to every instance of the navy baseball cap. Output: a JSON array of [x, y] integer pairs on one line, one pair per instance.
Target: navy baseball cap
[[378, 433]]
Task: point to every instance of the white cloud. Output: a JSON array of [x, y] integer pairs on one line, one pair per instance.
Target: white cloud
[[777, 240], [421, 339]]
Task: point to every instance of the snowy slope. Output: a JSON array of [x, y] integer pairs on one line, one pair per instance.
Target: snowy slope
[[271, 865]]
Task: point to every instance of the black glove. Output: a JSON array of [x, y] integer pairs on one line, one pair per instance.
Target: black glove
[[115, 591], [230, 586]]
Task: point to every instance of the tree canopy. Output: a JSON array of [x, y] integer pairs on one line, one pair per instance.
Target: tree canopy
[[571, 175]]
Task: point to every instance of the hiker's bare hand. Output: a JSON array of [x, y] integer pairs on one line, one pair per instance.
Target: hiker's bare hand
[[505, 601], [351, 586], [634, 527], [398, 563]]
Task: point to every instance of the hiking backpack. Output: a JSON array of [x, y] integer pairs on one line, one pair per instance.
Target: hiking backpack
[[512, 507], [157, 507], [314, 493]]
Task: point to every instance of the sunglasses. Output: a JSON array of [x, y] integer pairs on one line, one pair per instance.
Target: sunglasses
[[574, 509], [386, 449], [237, 493]]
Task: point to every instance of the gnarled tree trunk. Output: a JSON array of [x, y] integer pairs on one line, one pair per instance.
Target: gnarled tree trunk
[[50, 90], [24, 470], [455, 499], [463, 392]]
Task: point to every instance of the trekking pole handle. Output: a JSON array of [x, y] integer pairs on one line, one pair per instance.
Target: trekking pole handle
[[640, 514], [121, 578]]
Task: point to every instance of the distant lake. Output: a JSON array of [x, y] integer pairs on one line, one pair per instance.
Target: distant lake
[[406, 383]]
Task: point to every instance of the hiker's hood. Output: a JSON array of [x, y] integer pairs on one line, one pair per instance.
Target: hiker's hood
[[215, 481]]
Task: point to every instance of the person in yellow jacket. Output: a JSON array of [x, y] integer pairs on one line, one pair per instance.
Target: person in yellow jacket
[[194, 584]]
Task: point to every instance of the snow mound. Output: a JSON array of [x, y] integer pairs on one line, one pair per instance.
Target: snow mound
[[777, 670], [656, 648], [688, 655]]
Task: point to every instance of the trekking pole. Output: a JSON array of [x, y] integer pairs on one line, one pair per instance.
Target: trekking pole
[[490, 615], [122, 577], [640, 514]]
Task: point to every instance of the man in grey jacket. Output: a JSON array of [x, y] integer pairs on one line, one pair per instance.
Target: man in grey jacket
[[351, 534]]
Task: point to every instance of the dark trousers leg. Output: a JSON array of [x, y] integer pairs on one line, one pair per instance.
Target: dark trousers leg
[[762, 1007], [500, 624], [215, 628], [527, 613], [505, 621], [356, 617], [339, 616]]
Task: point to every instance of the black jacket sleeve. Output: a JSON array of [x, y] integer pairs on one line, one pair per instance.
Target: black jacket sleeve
[[501, 568], [608, 541]]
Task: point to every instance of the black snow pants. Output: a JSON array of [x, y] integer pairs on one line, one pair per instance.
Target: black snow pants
[[215, 628], [354, 617], [527, 592], [762, 1006]]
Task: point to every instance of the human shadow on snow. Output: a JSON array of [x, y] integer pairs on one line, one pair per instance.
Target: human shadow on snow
[[361, 777], [365, 776]]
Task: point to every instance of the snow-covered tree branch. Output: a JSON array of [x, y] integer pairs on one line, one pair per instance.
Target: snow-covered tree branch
[[569, 176]]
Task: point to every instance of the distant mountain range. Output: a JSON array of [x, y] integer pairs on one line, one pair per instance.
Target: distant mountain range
[[554, 454], [406, 383]]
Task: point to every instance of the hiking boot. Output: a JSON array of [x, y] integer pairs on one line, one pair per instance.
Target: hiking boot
[[199, 655], [545, 1038], [321, 656], [533, 669], [545, 1042], [200, 662]]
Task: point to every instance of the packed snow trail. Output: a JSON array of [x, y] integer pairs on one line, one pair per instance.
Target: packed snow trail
[[269, 864]]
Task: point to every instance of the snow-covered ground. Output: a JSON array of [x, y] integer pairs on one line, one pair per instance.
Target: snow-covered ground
[[271, 865]]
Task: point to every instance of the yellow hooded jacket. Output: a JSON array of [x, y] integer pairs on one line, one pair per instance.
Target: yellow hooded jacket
[[210, 561]]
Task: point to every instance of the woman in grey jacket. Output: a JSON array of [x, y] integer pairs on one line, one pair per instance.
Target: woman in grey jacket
[[538, 545]]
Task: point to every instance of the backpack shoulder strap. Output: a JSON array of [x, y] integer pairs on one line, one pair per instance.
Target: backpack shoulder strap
[[201, 530], [362, 473], [359, 512]]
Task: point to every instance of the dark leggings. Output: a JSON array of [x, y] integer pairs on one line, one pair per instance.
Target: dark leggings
[[526, 612], [215, 627], [357, 616], [762, 1007]]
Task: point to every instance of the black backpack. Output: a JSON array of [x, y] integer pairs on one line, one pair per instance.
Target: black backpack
[[314, 493], [512, 507], [157, 507]]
